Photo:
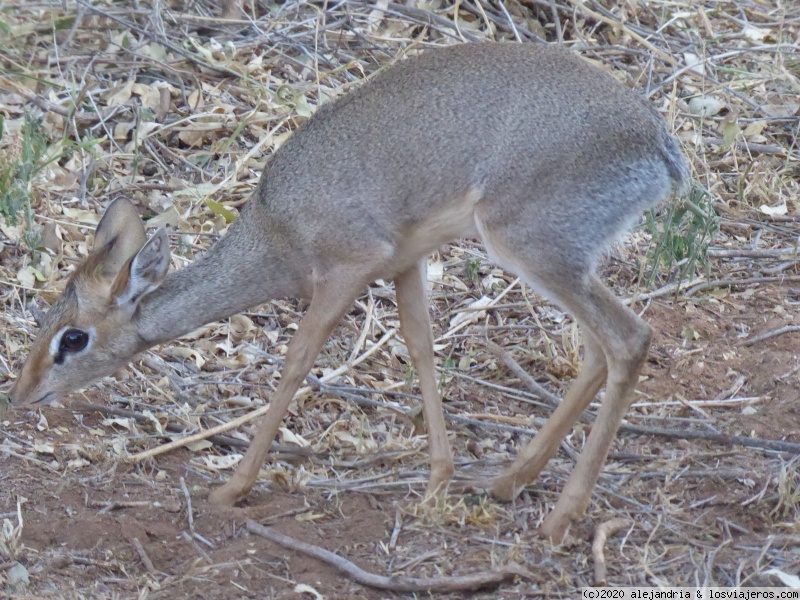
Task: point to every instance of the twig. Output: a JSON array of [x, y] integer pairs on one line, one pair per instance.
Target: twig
[[398, 525], [6, 450], [526, 379], [588, 417], [720, 438], [770, 334], [490, 306], [439, 585], [732, 282], [420, 14], [197, 547], [221, 440], [556, 23], [160, 39], [609, 21], [196, 437], [751, 147], [81, 117], [368, 402], [510, 20], [751, 253], [603, 532], [148, 564], [189, 513], [662, 291], [106, 506]]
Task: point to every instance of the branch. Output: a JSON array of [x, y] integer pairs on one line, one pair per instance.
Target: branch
[[437, 585], [770, 334], [603, 532], [522, 375]]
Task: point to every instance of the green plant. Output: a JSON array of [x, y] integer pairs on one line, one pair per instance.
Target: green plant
[[23, 160], [472, 267], [681, 236]]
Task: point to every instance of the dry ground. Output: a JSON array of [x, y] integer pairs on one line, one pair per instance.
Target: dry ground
[[178, 110]]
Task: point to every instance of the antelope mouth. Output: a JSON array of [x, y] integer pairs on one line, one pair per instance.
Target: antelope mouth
[[9, 402]]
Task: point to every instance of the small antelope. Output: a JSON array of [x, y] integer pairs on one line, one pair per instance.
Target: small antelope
[[543, 157]]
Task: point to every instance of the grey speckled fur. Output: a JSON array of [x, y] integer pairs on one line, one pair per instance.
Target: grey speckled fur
[[522, 123], [563, 156]]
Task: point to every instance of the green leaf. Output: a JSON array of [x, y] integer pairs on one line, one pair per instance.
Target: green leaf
[[65, 23], [4, 28], [157, 51], [217, 208], [730, 129]]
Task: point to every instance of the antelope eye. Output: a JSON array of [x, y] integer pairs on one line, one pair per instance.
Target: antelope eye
[[74, 340]]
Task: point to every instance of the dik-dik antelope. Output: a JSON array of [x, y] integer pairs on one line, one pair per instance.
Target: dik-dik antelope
[[542, 156]]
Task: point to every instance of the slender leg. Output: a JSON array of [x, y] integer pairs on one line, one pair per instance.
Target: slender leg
[[625, 339], [415, 324], [330, 301], [533, 457], [554, 249]]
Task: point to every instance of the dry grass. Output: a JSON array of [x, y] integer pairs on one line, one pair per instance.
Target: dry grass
[[179, 111]]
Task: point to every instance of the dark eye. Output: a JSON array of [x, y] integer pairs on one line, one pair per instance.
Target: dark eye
[[74, 340]]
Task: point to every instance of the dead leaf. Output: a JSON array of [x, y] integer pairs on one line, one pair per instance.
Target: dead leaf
[[117, 96], [730, 129], [194, 99], [220, 463], [470, 315], [85, 216], [149, 95], [44, 449], [774, 211], [786, 579], [694, 62], [781, 111], [28, 276], [289, 437], [199, 445], [184, 352], [705, 106], [755, 128]]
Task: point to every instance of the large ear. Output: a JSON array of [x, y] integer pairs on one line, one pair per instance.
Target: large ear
[[144, 273], [119, 236]]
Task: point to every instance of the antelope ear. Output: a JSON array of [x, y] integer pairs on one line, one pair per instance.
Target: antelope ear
[[144, 272], [118, 237]]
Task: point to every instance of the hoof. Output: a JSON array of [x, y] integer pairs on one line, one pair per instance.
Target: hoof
[[434, 493], [555, 528], [227, 495], [502, 488]]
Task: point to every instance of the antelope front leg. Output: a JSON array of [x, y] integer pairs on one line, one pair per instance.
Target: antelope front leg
[[330, 301], [415, 323]]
